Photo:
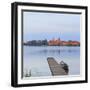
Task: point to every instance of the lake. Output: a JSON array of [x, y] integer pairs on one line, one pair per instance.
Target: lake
[[35, 59]]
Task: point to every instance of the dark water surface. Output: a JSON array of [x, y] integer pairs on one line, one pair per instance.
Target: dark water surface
[[35, 59]]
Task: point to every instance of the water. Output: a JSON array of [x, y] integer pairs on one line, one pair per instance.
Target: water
[[35, 59]]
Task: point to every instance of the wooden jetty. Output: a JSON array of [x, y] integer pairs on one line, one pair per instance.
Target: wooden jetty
[[56, 69]]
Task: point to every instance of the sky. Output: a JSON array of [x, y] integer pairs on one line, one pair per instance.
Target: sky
[[41, 25]]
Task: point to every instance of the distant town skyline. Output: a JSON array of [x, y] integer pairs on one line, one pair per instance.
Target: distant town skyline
[[40, 26], [53, 42]]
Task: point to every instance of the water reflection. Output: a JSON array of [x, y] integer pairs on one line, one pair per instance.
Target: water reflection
[[57, 50], [35, 59]]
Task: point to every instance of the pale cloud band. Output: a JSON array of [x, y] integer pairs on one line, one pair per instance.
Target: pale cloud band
[[39, 22]]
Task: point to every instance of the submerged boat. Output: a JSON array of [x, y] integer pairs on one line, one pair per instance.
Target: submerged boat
[[64, 66]]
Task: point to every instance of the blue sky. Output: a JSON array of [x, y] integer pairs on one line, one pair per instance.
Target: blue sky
[[40, 25]]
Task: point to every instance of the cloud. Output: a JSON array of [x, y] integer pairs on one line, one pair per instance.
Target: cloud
[[37, 22]]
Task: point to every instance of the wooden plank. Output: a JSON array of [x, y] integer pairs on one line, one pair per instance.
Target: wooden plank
[[56, 69]]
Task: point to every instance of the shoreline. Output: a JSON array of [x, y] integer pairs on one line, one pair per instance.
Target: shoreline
[[53, 45]]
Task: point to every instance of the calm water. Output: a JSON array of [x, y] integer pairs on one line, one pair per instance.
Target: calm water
[[35, 59]]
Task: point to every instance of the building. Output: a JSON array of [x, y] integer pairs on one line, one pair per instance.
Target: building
[[58, 42], [54, 42]]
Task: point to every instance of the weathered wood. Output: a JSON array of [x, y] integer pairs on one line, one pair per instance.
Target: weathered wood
[[56, 69]]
